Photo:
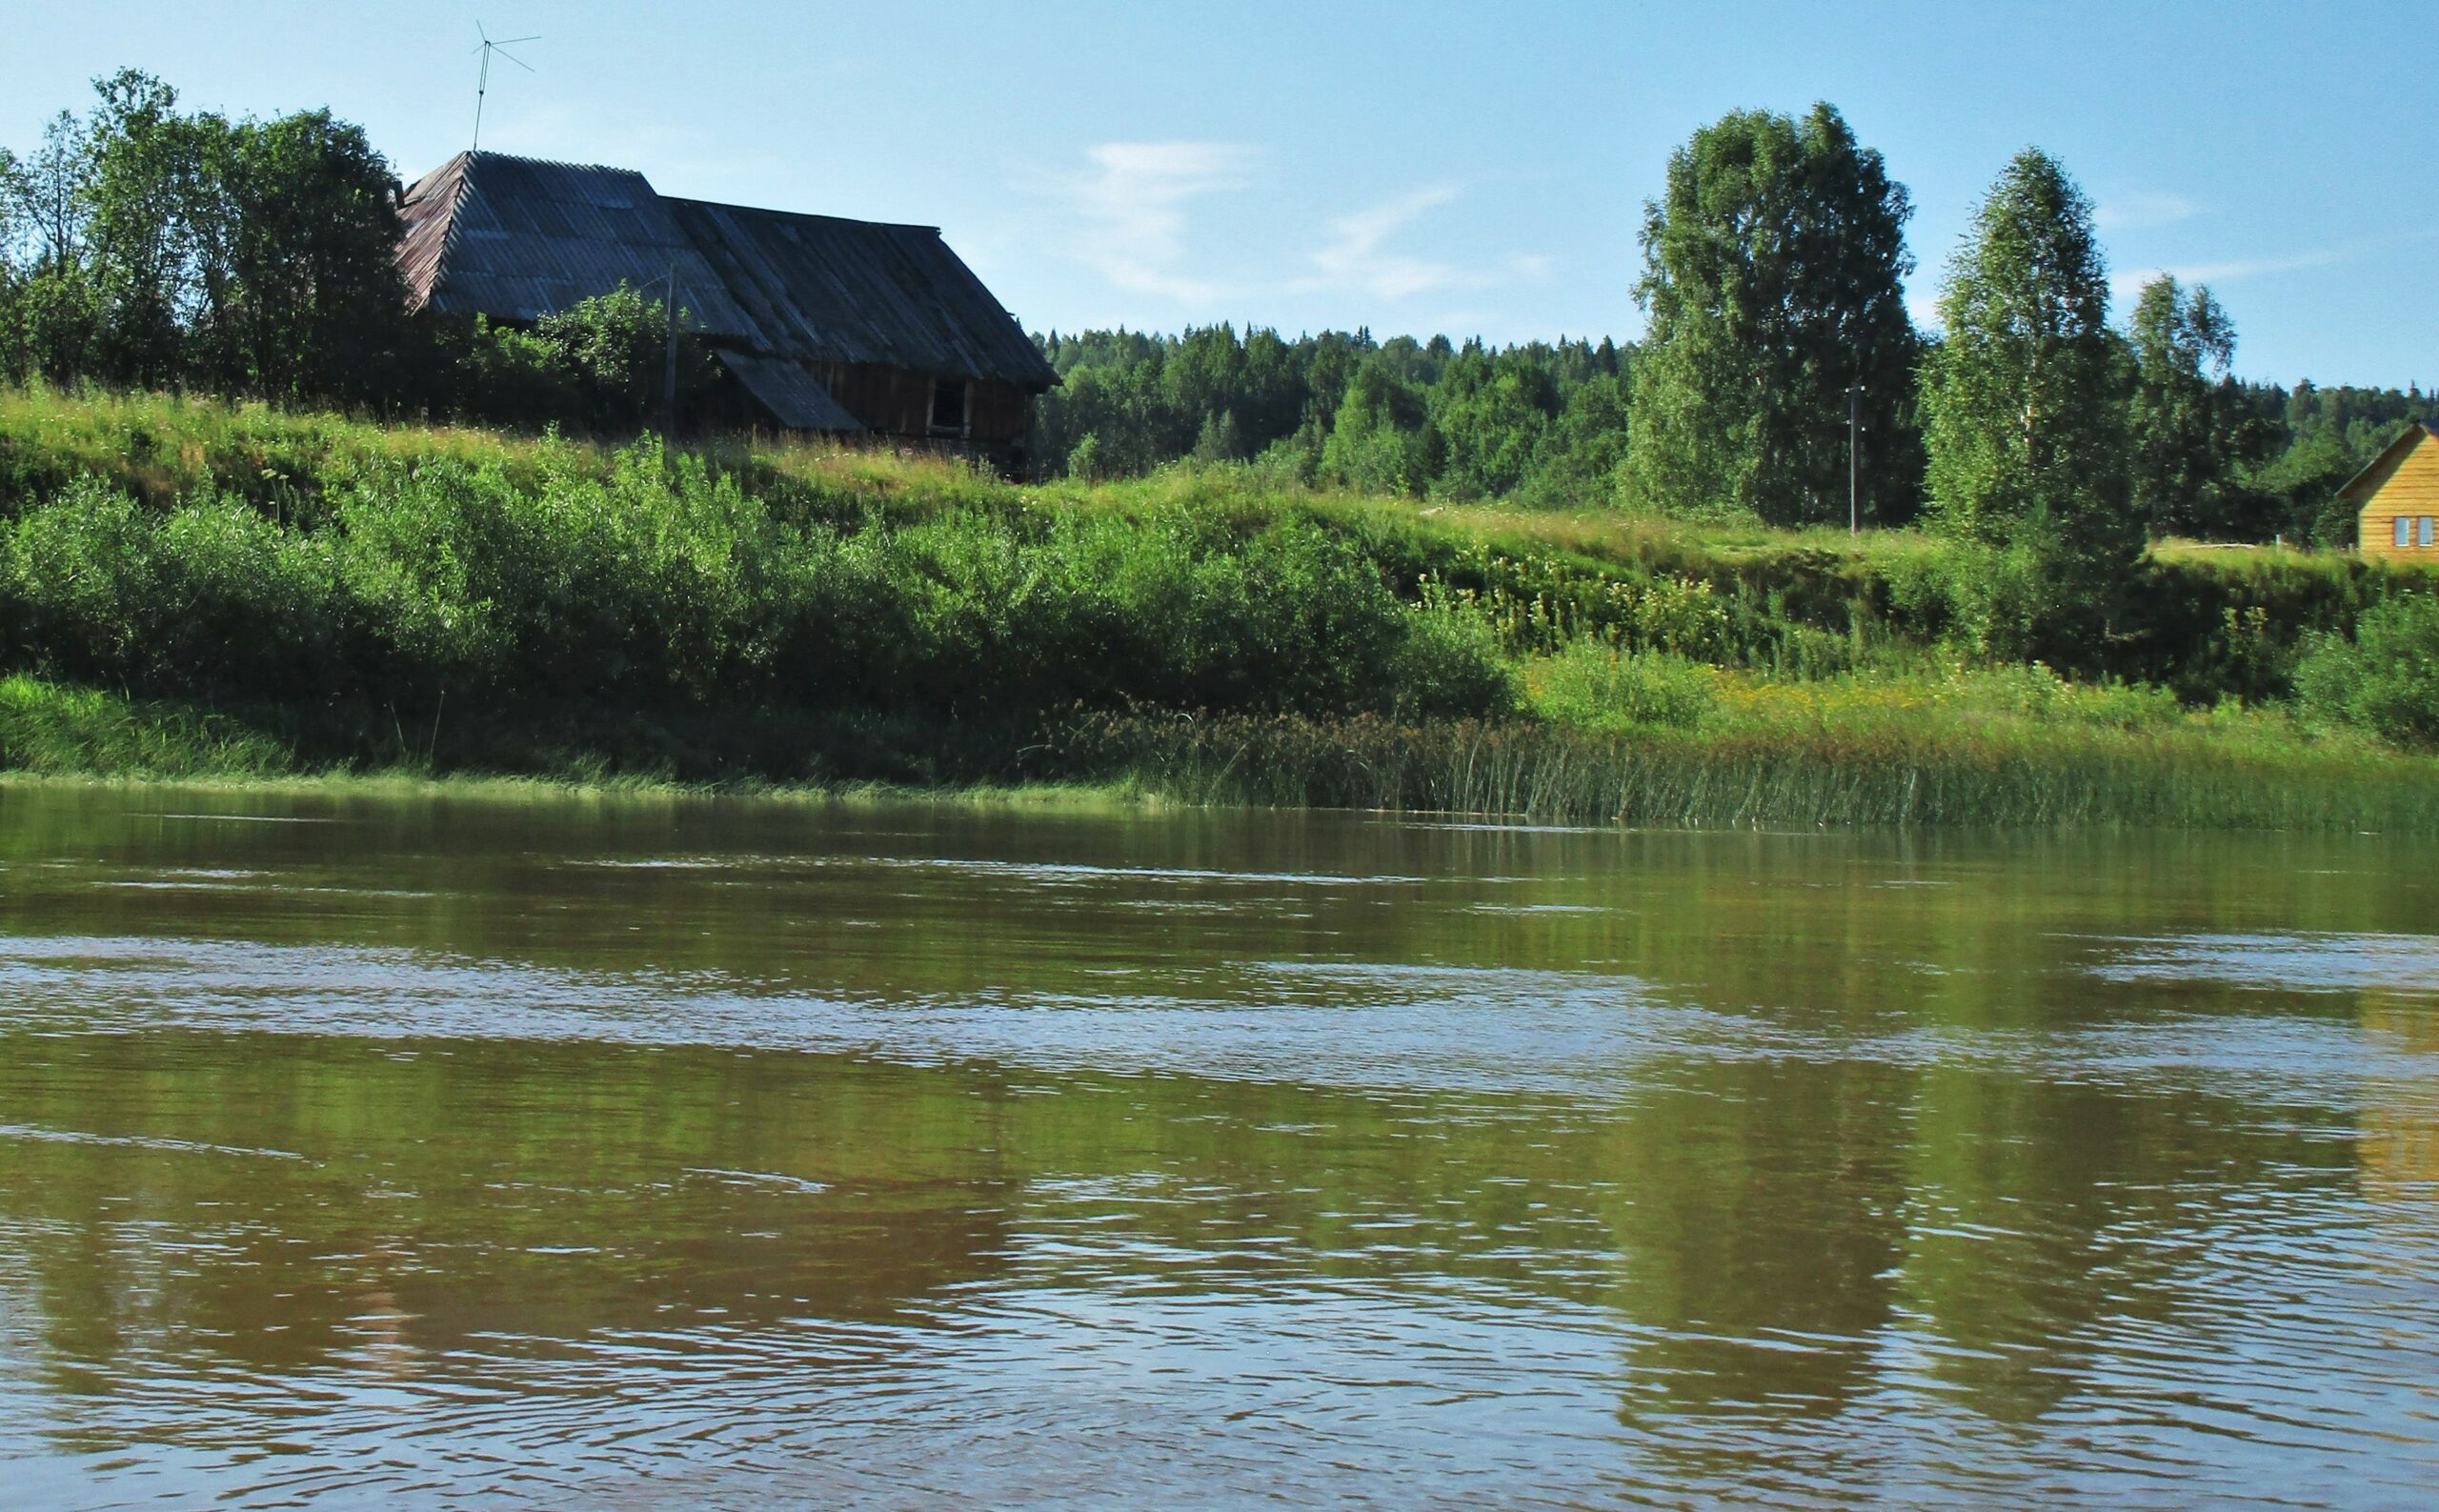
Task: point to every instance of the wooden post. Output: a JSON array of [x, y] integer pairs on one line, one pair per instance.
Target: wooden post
[[1854, 486], [669, 371]]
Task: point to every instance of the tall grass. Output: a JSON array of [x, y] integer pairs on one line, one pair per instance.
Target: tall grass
[[60, 731], [1789, 777]]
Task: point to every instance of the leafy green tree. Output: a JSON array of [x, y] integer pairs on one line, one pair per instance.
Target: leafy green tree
[[1493, 416], [1221, 439], [1774, 277], [500, 375], [166, 248], [12, 198], [1376, 442], [1582, 465], [149, 192], [2299, 485], [1461, 422], [13, 354], [313, 299], [2024, 423], [51, 193], [2182, 344], [2385, 679], [53, 310], [615, 348]]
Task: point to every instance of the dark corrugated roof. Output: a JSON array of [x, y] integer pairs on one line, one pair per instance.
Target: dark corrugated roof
[[828, 290], [794, 397], [516, 238]]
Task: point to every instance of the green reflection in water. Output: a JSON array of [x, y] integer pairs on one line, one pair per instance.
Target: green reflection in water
[[1819, 1166]]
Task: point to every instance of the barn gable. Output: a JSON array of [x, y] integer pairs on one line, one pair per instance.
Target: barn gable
[[829, 324], [517, 239]]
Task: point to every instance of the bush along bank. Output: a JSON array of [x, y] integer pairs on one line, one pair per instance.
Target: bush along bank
[[249, 592]]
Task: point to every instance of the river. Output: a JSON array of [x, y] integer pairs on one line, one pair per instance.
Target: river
[[402, 1152]]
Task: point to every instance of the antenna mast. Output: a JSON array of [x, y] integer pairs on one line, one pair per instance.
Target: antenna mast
[[483, 76]]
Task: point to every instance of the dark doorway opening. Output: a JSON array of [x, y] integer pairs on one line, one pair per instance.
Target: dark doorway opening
[[948, 405]]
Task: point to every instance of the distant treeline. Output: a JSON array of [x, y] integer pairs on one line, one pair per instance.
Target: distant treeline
[[1540, 423], [146, 248], [1544, 424]]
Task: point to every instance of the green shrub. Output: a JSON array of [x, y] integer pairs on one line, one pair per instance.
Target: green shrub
[[1451, 664], [510, 377], [654, 578], [1596, 687], [2385, 679]]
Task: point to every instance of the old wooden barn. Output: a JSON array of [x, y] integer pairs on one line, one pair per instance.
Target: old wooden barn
[[2399, 499], [819, 323]]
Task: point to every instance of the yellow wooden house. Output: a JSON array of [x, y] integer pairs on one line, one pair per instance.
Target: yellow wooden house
[[2398, 495]]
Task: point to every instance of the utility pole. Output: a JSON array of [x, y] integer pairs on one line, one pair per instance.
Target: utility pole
[[1854, 474]]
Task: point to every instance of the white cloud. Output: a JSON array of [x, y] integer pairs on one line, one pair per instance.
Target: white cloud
[[1357, 256], [1135, 197], [1354, 258], [2142, 210], [1136, 203], [2127, 285]]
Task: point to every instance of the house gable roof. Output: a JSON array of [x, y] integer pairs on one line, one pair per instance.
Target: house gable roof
[[517, 238], [2360, 488]]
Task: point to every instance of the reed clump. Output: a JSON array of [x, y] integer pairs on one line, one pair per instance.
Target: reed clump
[[1786, 777]]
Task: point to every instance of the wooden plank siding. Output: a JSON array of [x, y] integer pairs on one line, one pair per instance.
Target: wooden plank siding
[[894, 401], [2402, 483]]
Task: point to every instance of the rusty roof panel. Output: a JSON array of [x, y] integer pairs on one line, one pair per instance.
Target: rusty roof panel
[[426, 214]]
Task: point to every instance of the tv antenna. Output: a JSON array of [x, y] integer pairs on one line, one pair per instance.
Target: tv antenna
[[483, 79]]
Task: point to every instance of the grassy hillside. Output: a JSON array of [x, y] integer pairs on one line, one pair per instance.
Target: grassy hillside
[[190, 587]]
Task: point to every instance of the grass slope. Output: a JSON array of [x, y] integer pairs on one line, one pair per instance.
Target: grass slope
[[270, 596]]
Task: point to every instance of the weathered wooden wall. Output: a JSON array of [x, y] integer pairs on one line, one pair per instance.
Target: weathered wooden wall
[[896, 402]]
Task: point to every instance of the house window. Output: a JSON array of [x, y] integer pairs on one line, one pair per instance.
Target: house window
[[948, 405], [2422, 531], [2404, 532]]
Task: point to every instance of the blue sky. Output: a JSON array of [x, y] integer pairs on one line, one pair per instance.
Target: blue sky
[[1474, 169]]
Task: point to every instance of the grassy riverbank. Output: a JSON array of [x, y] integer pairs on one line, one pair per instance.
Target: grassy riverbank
[[268, 597], [2222, 769]]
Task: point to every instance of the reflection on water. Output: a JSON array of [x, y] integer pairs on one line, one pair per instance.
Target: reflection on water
[[422, 1154], [2287, 962]]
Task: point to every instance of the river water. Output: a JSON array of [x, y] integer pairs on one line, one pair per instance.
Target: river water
[[402, 1153]]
